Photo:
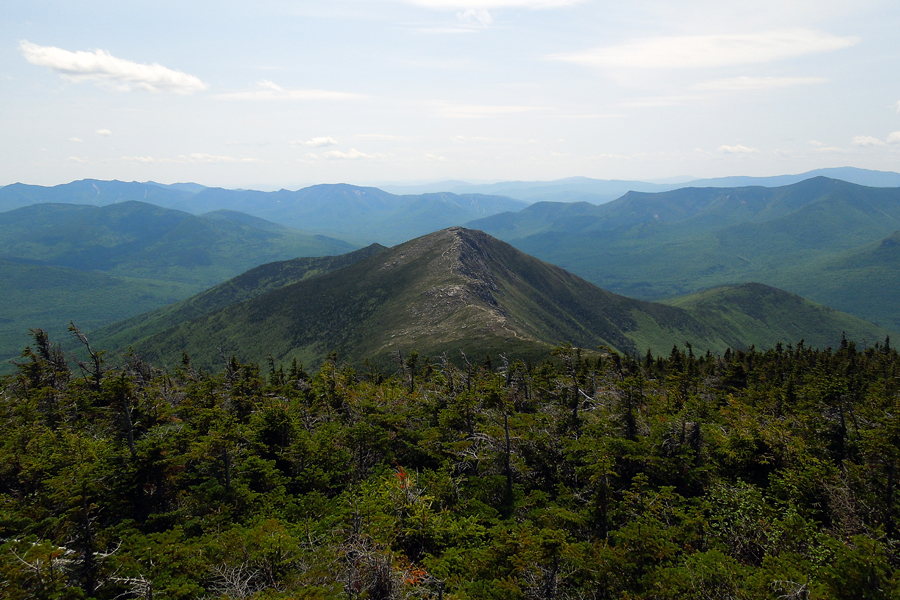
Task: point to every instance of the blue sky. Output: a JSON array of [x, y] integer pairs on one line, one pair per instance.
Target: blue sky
[[271, 93]]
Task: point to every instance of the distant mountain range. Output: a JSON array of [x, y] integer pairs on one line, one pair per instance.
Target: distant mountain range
[[600, 191], [101, 264], [458, 290], [827, 240], [359, 214]]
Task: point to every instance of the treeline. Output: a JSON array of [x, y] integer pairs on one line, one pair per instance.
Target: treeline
[[591, 475]]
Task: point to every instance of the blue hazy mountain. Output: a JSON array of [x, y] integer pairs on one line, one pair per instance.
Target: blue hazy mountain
[[600, 191]]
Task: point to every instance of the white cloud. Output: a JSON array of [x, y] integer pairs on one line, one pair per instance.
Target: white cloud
[[104, 68], [704, 51], [898, 107], [104, 132], [77, 159], [894, 138], [738, 149], [436, 158], [867, 141], [742, 84], [267, 90], [478, 16], [353, 154], [316, 142], [75, 139]]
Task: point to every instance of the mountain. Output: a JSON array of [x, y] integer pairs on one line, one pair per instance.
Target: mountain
[[136, 239], [93, 192], [800, 238], [98, 265], [363, 214], [600, 191], [867, 177], [192, 188], [453, 290], [571, 189]]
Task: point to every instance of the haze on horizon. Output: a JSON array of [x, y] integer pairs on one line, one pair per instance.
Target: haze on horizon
[[283, 93]]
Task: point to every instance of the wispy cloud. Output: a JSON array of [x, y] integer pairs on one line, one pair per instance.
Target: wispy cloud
[[104, 132], [75, 139], [704, 51], [471, 111], [867, 141], [196, 158], [382, 136], [491, 4], [479, 16], [316, 142], [825, 149], [211, 159], [462, 139], [102, 67], [738, 149], [353, 154], [894, 138], [742, 84], [268, 90]]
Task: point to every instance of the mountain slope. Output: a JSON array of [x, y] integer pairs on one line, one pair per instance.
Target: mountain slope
[[448, 291], [765, 316], [254, 282], [48, 297]]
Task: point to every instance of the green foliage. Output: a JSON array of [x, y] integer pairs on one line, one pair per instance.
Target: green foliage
[[758, 475]]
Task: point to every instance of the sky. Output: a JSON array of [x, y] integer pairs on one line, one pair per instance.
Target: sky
[[268, 94]]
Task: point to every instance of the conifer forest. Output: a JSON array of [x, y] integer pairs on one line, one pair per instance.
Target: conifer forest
[[589, 475]]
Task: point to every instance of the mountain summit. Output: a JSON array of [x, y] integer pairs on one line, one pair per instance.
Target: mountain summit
[[455, 289]]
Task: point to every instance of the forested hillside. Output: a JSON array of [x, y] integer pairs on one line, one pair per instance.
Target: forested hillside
[[817, 238], [754, 475], [98, 265], [458, 289]]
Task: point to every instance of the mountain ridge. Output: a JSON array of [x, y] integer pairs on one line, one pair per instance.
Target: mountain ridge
[[455, 289]]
